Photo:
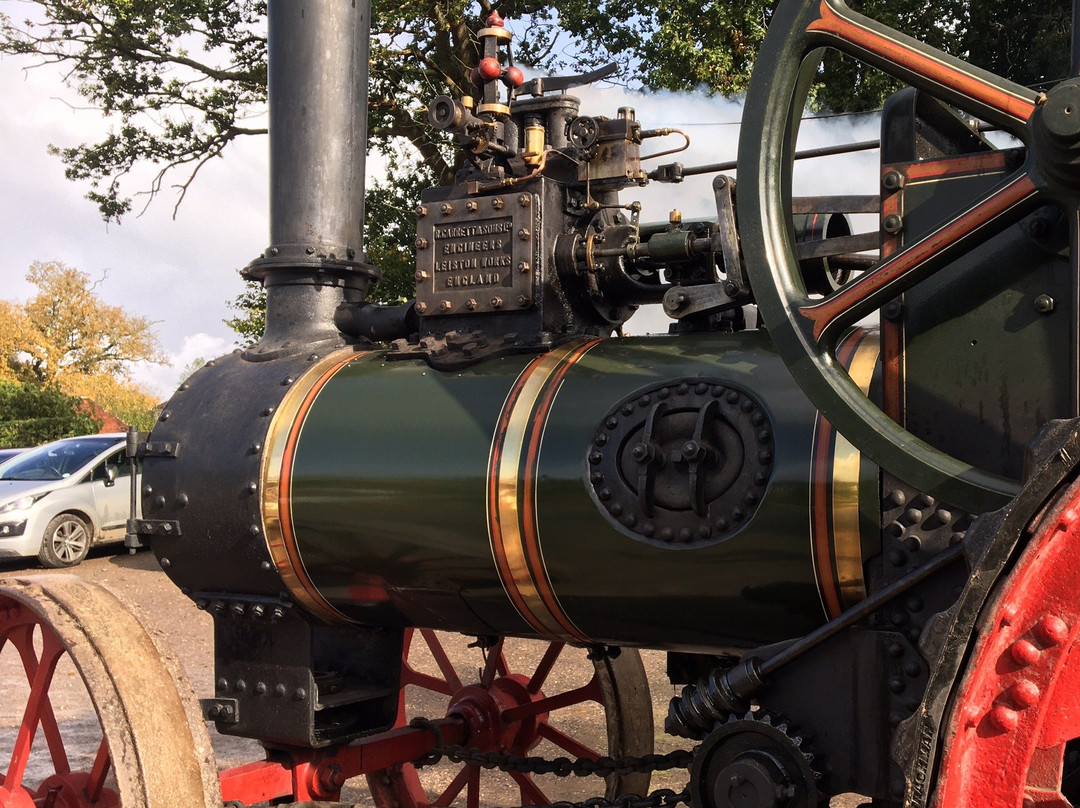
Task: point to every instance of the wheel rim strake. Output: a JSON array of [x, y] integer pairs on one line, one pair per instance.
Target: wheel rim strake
[[1020, 701]]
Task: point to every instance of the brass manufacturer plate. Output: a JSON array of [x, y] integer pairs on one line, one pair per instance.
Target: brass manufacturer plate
[[477, 255]]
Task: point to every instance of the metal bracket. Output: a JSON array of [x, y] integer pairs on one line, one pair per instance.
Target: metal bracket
[[682, 301], [157, 527], [163, 449], [737, 286], [224, 711]]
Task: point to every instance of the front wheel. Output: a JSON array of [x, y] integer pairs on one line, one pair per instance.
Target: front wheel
[[66, 541], [523, 698]]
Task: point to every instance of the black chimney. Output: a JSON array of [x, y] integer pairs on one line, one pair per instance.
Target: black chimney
[[318, 77]]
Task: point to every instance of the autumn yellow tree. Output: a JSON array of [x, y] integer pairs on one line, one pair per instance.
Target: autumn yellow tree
[[66, 336]]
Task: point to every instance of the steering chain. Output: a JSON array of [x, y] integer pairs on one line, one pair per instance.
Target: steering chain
[[565, 767]]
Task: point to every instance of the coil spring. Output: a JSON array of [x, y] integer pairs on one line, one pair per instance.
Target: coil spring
[[724, 691]]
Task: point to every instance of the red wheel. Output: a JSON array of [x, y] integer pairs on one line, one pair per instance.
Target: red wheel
[[92, 716], [522, 698], [1016, 716]]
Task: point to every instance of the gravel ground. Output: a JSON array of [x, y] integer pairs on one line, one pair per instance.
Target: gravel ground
[[136, 579]]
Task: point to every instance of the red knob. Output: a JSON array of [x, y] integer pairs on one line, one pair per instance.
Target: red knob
[[514, 77], [494, 20], [489, 68]]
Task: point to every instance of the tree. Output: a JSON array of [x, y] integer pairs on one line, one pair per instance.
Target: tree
[[31, 415], [66, 337], [183, 80]]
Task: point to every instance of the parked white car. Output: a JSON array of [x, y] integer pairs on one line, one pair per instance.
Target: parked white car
[[59, 499]]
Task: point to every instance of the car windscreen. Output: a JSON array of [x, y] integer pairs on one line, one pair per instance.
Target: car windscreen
[[55, 461]]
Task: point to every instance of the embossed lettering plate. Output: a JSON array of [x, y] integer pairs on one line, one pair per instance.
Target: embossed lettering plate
[[477, 255]]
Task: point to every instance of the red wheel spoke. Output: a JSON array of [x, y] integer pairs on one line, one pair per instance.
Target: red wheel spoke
[[540, 675], [459, 782], [51, 652], [446, 667], [1002, 207], [428, 682], [49, 726], [589, 692], [530, 791], [472, 796], [495, 663], [96, 781], [978, 91], [564, 741]]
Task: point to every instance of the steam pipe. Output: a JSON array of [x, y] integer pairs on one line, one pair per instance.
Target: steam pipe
[[317, 86]]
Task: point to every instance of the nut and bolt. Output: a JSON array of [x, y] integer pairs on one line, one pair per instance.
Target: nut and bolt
[[445, 305], [496, 302], [421, 275], [471, 206], [447, 208], [470, 304], [892, 224], [421, 243], [524, 301], [893, 180], [524, 200], [421, 211], [497, 203], [524, 234], [1044, 304], [421, 308], [524, 266]]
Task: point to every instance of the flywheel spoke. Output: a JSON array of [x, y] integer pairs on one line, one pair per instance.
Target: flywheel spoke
[[977, 91], [1004, 206]]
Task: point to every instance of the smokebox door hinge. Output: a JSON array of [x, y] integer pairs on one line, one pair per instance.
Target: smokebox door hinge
[[159, 449], [157, 527], [224, 711]]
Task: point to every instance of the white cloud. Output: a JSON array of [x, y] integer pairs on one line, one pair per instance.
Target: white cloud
[[162, 380]]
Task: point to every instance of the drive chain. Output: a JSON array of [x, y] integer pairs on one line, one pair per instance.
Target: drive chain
[[565, 767]]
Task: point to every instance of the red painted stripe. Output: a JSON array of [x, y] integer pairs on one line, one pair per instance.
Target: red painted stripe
[[501, 563], [285, 485], [822, 481], [537, 567]]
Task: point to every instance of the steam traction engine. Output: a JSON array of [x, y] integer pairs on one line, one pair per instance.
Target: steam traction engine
[[841, 494]]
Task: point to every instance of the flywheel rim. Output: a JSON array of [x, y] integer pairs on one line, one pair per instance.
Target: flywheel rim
[[807, 331], [138, 690]]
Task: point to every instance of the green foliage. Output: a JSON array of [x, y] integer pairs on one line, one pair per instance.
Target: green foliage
[[180, 80], [250, 319], [177, 78], [31, 414]]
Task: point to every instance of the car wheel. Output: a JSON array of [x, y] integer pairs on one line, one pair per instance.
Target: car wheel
[[66, 541]]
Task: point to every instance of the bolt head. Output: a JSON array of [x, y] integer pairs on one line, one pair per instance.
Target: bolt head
[[892, 224]]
